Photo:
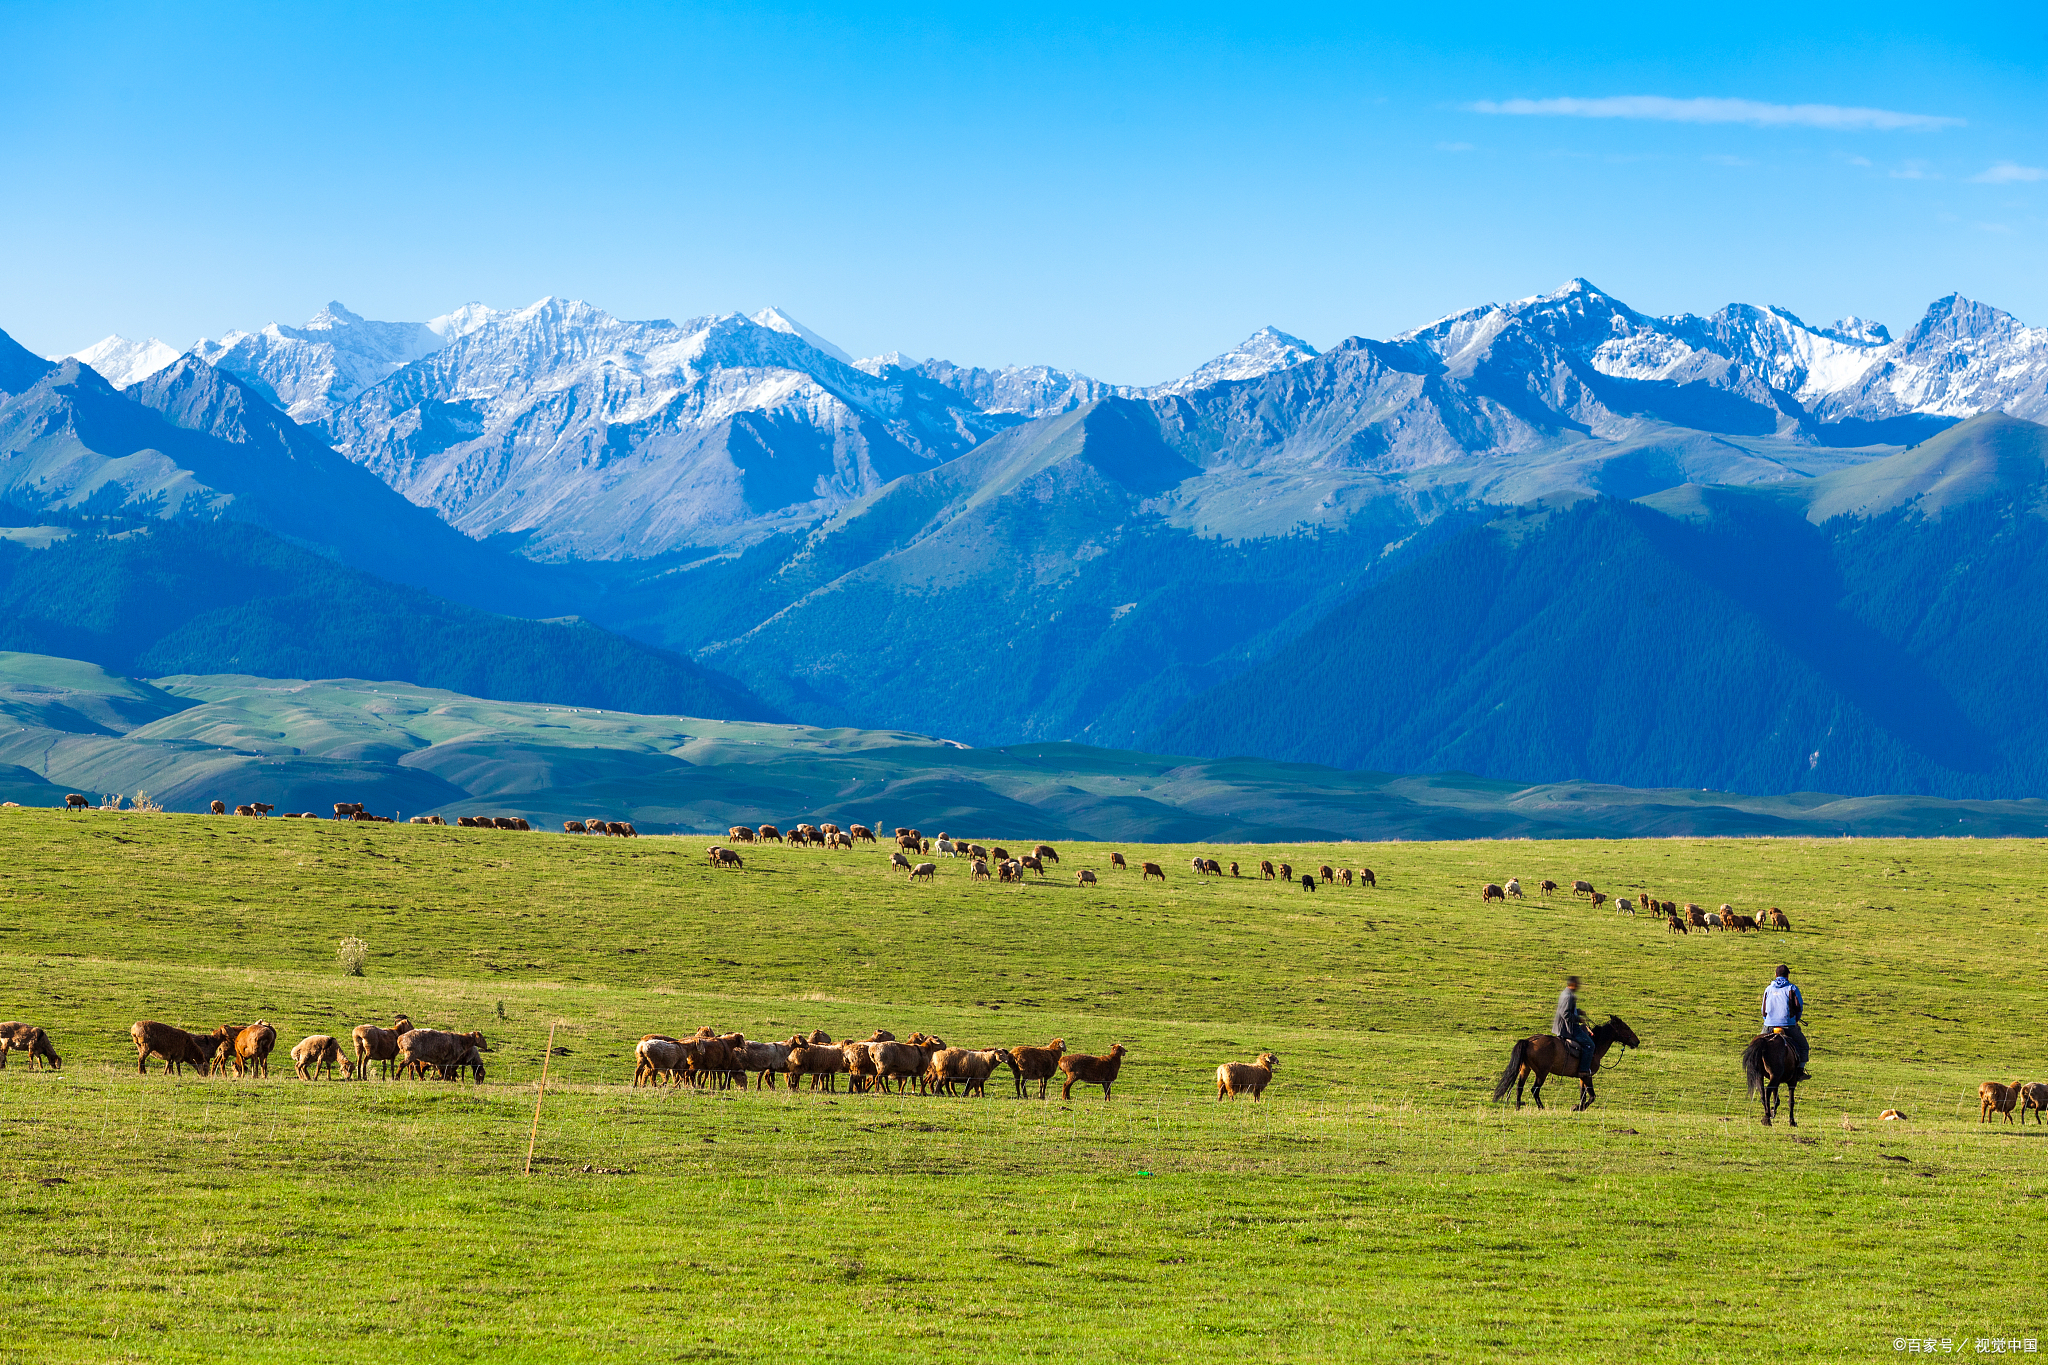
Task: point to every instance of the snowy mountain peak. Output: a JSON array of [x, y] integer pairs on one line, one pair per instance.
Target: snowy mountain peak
[[1263, 352], [778, 321], [122, 362]]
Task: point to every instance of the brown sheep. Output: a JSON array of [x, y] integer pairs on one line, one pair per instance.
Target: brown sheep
[[1744, 923], [1546, 886], [262, 807], [1088, 1070], [1582, 888], [1286, 872], [822, 1062], [1246, 1078], [1599, 899], [1084, 878], [1675, 924], [910, 843], [2033, 1099], [1233, 870], [1308, 881], [925, 870], [863, 834], [574, 827], [220, 808], [740, 834], [1365, 877], [1344, 875], [319, 1055], [379, 1045], [245, 810], [768, 832], [1328, 874], [897, 859], [1491, 892], [252, 1047], [440, 1049], [20, 1037], [1776, 919], [1152, 870], [1036, 1064], [1117, 860], [904, 1062], [1993, 1098], [1266, 869], [1727, 916], [964, 1068], [1046, 853], [978, 872], [74, 801], [178, 1048], [725, 857]]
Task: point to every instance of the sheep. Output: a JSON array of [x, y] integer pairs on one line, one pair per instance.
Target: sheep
[[1032, 864], [1625, 906], [1776, 919], [767, 832], [820, 1061], [1492, 892], [861, 833], [1599, 899], [1241, 1078], [1514, 888], [1200, 865], [1233, 870], [1036, 1064], [863, 1073], [1744, 923], [978, 872], [1344, 875], [1308, 881], [1993, 1098], [2033, 1099], [1117, 860], [655, 1057], [1266, 869], [1152, 870], [319, 1055], [1546, 886], [969, 1070], [1046, 853], [902, 1062], [897, 859], [1365, 877], [220, 808], [725, 857], [1582, 888], [924, 870], [1675, 924], [765, 1061], [1727, 913], [252, 1047], [19, 1037], [1084, 878], [375, 1044], [1091, 1070], [573, 827]]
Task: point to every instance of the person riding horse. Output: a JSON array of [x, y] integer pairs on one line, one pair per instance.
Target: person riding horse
[[1569, 1026], [1783, 1008]]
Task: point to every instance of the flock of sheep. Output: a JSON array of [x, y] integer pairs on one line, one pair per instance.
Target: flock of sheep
[[1696, 917]]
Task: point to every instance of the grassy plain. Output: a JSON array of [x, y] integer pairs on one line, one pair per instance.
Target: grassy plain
[[1377, 1205]]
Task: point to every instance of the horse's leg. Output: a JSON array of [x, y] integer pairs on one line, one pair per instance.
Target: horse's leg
[[1586, 1094], [1770, 1098], [1521, 1079], [1536, 1090], [1792, 1106]]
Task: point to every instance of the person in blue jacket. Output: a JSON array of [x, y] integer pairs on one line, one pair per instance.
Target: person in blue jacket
[[1569, 1024], [1783, 1008]]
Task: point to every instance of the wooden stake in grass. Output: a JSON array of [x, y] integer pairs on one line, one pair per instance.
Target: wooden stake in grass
[[545, 1058]]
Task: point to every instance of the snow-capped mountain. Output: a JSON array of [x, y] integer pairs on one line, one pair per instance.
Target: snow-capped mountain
[[310, 371], [1265, 351], [122, 362]]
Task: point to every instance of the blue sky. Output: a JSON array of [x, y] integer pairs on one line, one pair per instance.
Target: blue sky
[[1028, 184]]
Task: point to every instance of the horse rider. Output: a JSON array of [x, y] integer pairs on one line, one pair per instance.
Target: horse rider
[[1570, 1026], [1783, 1006]]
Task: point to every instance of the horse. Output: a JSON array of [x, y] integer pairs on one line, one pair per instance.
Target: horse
[[1547, 1056], [1767, 1061]]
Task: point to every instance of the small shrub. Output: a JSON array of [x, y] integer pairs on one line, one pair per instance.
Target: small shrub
[[353, 955]]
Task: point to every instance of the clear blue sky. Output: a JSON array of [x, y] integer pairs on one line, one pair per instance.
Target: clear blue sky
[[1030, 184]]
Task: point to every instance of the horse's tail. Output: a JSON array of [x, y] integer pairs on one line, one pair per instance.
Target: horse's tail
[[1516, 1061], [1753, 1063]]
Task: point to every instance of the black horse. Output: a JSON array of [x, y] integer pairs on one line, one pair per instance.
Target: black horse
[[1547, 1056], [1769, 1063]]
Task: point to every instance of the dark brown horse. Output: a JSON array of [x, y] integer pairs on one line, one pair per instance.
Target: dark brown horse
[[1768, 1062], [1546, 1056]]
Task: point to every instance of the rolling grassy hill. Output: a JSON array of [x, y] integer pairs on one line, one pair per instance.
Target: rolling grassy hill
[[188, 740], [1376, 1206]]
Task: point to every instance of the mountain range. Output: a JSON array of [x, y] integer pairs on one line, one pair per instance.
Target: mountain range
[[1031, 554]]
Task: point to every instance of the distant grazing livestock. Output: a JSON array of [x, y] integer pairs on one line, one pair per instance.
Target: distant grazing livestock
[[768, 832], [1675, 924], [1200, 865], [178, 1048], [1085, 1070], [978, 871], [1624, 906], [1546, 886], [863, 834], [1744, 923], [1001, 855], [1344, 875], [1727, 916], [725, 857], [906, 1061], [1491, 892], [573, 827], [421, 1048], [461, 821], [764, 1061], [2033, 1099], [828, 828], [1697, 917], [740, 834], [1117, 860], [319, 1055], [344, 810], [1266, 868], [1513, 888], [925, 870], [262, 807], [378, 1045], [1599, 899], [1246, 1078], [974, 851], [949, 848], [1328, 874], [1152, 870], [1031, 864], [1366, 878], [220, 808], [252, 1047], [19, 1037], [74, 801], [245, 810], [897, 859], [1233, 869], [910, 843], [1286, 872], [1084, 878], [1776, 919], [1039, 1064], [1582, 888], [1046, 853], [656, 1058], [1308, 881], [962, 1070], [1993, 1098], [623, 828]]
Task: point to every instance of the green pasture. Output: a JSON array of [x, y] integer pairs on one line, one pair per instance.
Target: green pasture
[[1376, 1206]]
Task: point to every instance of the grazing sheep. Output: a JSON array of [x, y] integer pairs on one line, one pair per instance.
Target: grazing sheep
[[1744, 923], [764, 1061], [1117, 860], [1727, 916], [421, 1048], [1046, 853], [863, 1073], [1491, 892], [725, 857], [1246, 1078], [319, 1055], [1200, 865], [968, 1070], [1366, 878], [1546, 886], [73, 801], [252, 1047], [1087, 1070], [910, 843], [904, 1062], [380, 1045], [1625, 906], [249, 811], [924, 870], [19, 1037], [1152, 870], [978, 872], [1233, 870], [1599, 899], [1329, 874], [2033, 1099], [768, 832], [1582, 888], [573, 827], [1993, 1098], [863, 834], [896, 859], [1513, 888], [1776, 919], [220, 808], [1697, 917], [1084, 878], [1036, 1064], [175, 1046], [1308, 881], [1675, 924], [1344, 875], [1266, 869], [1033, 864]]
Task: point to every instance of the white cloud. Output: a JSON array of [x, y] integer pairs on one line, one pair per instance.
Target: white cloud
[[1859, 161], [1913, 170], [2007, 173], [1666, 109]]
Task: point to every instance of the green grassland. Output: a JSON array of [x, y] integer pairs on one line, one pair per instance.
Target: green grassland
[[1376, 1206]]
